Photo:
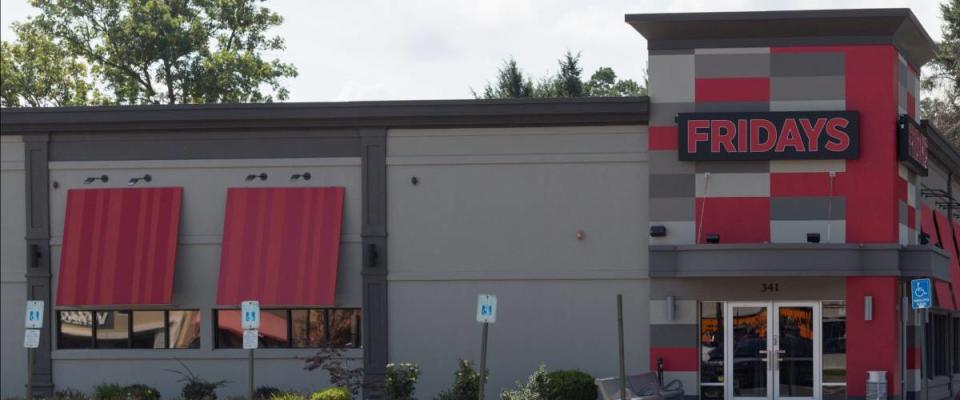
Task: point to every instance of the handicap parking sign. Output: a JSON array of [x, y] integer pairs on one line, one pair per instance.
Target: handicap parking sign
[[487, 308], [921, 295]]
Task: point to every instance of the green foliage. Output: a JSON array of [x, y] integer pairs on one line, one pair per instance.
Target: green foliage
[[942, 83], [570, 385], [195, 387], [338, 367], [535, 388], [142, 392], [109, 391], [36, 71], [147, 52], [466, 383], [265, 392], [401, 381], [288, 395], [513, 83], [334, 393], [67, 394]]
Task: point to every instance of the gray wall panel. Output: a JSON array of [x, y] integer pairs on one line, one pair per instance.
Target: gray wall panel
[[564, 324]]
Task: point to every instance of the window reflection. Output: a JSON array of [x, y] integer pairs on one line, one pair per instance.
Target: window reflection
[[273, 329], [796, 351], [345, 328], [148, 330], [185, 329], [834, 342], [711, 342], [309, 328], [749, 341], [113, 329], [296, 328], [229, 332], [76, 330]]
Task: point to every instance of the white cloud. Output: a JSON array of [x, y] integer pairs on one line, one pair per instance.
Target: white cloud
[[391, 49]]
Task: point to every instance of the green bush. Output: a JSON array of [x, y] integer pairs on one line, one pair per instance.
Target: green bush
[[68, 394], [109, 391], [265, 392], [466, 383], [142, 392], [334, 393], [200, 390], [570, 385], [288, 395], [534, 389], [401, 381]]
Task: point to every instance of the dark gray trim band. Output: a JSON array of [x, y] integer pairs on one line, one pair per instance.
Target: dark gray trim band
[[757, 260], [432, 113], [373, 150], [674, 335], [37, 192], [205, 145]]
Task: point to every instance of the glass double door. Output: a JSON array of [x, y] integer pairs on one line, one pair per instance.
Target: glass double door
[[772, 351]]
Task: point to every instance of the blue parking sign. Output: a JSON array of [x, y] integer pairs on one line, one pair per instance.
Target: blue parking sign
[[921, 294]]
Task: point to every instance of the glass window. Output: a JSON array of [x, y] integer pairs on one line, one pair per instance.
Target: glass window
[[273, 329], [149, 330], [309, 328], [834, 348], [76, 330], [938, 337], [229, 331], [113, 329], [345, 327], [184, 328], [711, 342]]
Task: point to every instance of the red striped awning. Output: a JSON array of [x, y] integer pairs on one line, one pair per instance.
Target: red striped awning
[[945, 296], [281, 246], [119, 246]]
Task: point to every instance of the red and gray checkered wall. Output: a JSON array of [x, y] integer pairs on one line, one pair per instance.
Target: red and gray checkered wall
[[780, 201]]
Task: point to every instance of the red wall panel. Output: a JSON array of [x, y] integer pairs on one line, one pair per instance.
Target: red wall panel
[[736, 219], [872, 345], [798, 184], [732, 89], [674, 358], [663, 137]]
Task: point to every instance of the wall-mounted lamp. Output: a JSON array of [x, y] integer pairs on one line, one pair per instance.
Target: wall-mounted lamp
[[305, 176], [713, 238], [261, 176], [924, 237], [91, 179], [868, 308], [134, 181], [671, 308], [813, 237], [658, 231]]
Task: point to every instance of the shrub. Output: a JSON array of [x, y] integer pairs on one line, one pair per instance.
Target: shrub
[[570, 385], [265, 392], [67, 394], [534, 389], [109, 391], [466, 383], [195, 387], [288, 395], [401, 381], [337, 366], [142, 392], [334, 393]]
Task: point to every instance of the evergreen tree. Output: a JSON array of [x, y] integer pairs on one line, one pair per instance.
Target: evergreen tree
[[511, 83]]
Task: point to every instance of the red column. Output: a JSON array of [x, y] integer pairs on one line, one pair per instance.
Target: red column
[[872, 345]]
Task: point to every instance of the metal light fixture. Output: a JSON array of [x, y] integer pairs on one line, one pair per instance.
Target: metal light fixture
[[813, 237], [658, 231], [868, 308], [924, 237], [102, 178], [261, 176], [134, 181], [671, 308], [713, 238], [305, 176]]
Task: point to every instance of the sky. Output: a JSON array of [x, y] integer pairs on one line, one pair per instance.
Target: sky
[[348, 50]]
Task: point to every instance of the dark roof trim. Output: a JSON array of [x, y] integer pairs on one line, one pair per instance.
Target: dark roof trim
[[896, 26], [420, 113], [941, 148]]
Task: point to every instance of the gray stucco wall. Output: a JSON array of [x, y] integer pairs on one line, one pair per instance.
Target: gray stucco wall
[[13, 267], [497, 211], [197, 268]]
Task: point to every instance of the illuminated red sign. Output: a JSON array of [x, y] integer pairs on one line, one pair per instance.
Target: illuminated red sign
[[769, 135], [912, 145]]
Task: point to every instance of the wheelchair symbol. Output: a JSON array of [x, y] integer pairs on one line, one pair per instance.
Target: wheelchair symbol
[[919, 292]]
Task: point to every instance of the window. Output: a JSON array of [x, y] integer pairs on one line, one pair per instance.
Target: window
[[293, 328], [940, 344], [834, 349], [956, 344], [711, 350], [128, 329]]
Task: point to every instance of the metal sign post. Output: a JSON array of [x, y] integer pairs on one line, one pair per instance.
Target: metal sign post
[[486, 314], [33, 322], [250, 321], [921, 298]]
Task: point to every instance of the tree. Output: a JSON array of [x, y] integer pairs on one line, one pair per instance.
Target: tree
[[169, 51], [512, 83], [942, 84], [37, 72]]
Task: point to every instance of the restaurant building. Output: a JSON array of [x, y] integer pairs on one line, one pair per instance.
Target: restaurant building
[[762, 212]]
